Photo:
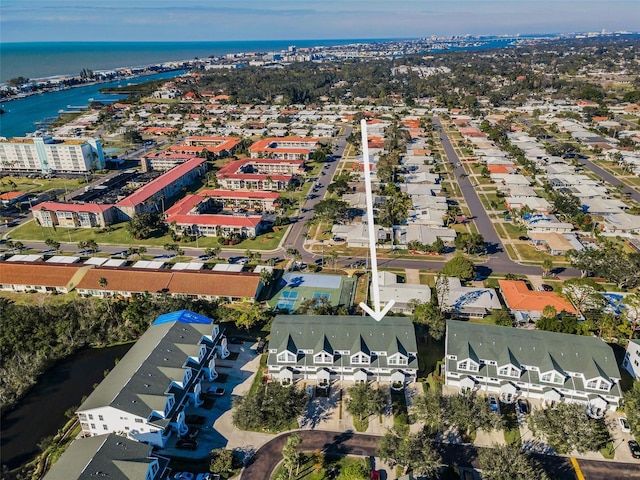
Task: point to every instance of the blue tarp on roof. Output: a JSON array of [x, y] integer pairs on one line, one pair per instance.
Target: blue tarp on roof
[[184, 316]]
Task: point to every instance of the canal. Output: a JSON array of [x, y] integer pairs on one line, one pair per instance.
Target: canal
[[42, 411], [21, 115]]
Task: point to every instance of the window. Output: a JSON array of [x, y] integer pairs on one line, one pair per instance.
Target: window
[[286, 357], [104, 427], [90, 416], [93, 426], [100, 417], [360, 359], [592, 384], [604, 386], [323, 357], [139, 420], [509, 371]]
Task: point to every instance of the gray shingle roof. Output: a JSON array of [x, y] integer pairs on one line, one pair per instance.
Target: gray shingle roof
[[107, 456], [353, 333], [547, 350], [138, 383]]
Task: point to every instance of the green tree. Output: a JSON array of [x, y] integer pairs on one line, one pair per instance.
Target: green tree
[[144, 225], [428, 409], [567, 427], [222, 461], [52, 244], [365, 401], [632, 407], [292, 458], [469, 412], [471, 243], [584, 293], [331, 210], [272, 408], [460, 267], [249, 317], [547, 267], [508, 462], [430, 315], [413, 451], [132, 136], [355, 471]]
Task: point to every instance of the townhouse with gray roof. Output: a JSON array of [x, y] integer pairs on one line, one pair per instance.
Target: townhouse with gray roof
[[551, 367], [342, 348], [145, 395], [109, 456]]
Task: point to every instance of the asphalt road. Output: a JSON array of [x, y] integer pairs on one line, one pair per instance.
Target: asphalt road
[[499, 260], [632, 193], [269, 455]]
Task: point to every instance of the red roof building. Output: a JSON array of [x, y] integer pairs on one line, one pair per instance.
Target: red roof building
[[286, 148]]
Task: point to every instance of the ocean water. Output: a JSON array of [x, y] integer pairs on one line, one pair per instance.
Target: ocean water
[[47, 59]]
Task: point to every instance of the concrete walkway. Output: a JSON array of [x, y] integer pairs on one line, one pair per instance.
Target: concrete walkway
[[413, 275]]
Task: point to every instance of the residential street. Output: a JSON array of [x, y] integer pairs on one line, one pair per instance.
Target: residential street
[[269, 455]]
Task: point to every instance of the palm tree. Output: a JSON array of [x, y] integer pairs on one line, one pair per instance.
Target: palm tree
[[103, 282], [141, 251]]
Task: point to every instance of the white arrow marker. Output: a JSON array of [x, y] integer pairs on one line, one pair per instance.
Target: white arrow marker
[[375, 284]]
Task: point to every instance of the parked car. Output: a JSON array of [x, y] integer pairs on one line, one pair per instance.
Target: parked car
[[493, 403], [184, 476], [261, 346], [186, 444], [208, 476], [523, 406], [546, 288], [523, 238], [374, 475], [195, 419], [624, 424], [216, 391], [634, 448]]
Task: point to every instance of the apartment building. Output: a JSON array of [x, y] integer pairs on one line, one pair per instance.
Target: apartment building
[[51, 155]]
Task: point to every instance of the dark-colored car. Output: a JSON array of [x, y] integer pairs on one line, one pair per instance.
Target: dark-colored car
[[195, 419], [523, 406], [634, 448], [261, 345], [547, 288], [215, 391], [186, 444], [523, 238]]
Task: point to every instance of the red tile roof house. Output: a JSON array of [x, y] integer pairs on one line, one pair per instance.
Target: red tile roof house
[[528, 304], [74, 215], [148, 198], [286, 148], [185, 216], [241, 174]]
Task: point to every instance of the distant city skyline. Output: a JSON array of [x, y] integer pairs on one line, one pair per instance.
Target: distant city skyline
[[202, 20]]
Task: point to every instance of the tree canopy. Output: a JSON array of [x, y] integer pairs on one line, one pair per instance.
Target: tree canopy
[[460, 267]]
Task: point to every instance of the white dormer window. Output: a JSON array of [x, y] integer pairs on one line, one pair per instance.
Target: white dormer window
[[323, 357], [509, 371], [599, 384], [286, 357], [468, 365], [553, 377], [187, 376], [168, 405], [360, 359]]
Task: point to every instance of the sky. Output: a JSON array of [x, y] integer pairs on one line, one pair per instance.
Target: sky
[[220, 20]]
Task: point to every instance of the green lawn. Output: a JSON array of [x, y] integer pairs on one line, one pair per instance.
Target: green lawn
[[320, 468], [513, 231], [527, 252], [118, 235], [38, 185]]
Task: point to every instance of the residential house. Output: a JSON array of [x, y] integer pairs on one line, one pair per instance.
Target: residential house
[[621, 223], [539, 223], [466, 302], [631, 362], [401, 293], [547, 366], [110, 456], [145, 395], [555, 243], [341, 348], [528, 304]]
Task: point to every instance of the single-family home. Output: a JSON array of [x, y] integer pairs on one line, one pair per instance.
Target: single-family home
[[466, 302], [402, 293], [528, 304], [547, 366]]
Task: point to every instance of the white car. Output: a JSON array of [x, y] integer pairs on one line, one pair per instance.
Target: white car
[[624, 424]]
